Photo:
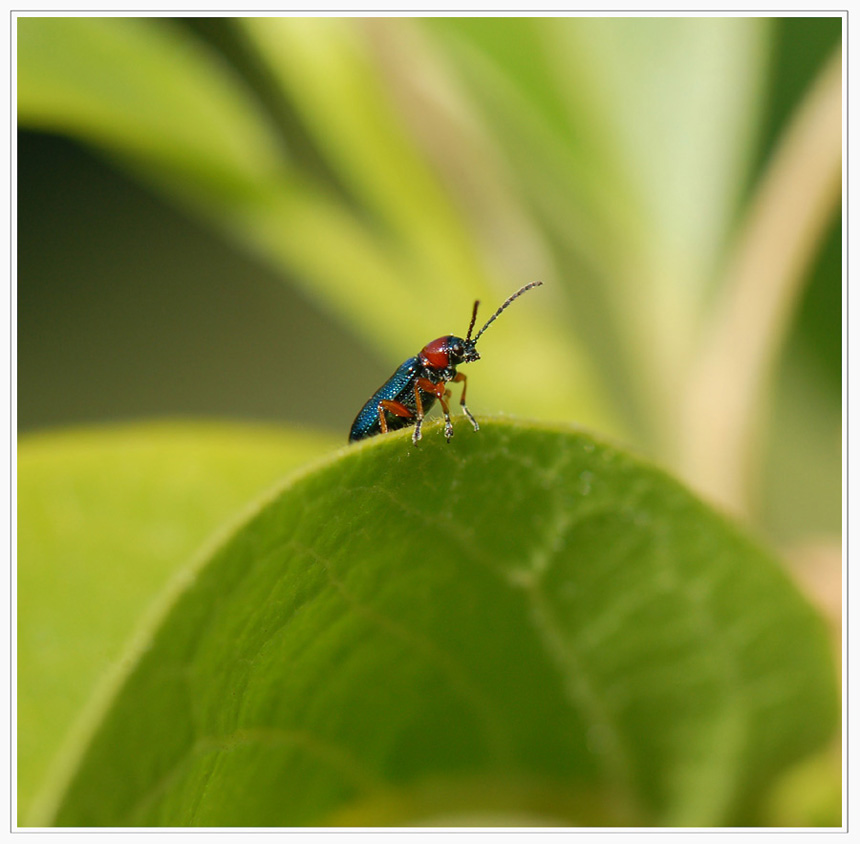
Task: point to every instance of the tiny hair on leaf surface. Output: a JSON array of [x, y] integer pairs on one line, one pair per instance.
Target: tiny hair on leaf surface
[[403, 634]]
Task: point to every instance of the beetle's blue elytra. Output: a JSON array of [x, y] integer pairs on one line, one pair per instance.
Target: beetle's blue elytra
[[414, 388]]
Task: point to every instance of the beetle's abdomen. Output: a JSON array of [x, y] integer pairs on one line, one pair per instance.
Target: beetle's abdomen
[[397, 388]]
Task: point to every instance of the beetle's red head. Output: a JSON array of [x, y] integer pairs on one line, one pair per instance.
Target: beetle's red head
[[451, 351], [448, 351]]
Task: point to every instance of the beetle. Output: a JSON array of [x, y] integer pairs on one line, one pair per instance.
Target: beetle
[[420, 381]]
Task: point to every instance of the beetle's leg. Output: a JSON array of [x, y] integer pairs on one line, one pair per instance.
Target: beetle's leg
[[419, 407], [394, 407], [460, 377], [449, 428], [438, 390]]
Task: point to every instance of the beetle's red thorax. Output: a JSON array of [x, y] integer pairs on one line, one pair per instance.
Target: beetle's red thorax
[[435, 354]]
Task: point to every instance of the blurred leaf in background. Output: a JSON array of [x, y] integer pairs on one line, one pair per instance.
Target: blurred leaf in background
[[673, 181]]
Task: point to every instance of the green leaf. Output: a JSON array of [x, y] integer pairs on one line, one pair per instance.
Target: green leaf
[[522, 624], [336, 83], [150, 94], [105, 519], [653, 113]]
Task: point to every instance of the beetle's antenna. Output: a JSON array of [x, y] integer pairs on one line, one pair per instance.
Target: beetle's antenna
[[504, 305], [472, 323]]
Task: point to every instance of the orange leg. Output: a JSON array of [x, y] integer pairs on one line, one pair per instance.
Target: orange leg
[[449, 428], [394, 407], [441, 393], [460, 377], [428, 387]]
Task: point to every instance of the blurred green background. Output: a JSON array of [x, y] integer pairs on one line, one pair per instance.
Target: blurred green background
[[258, 219], [129, 306]]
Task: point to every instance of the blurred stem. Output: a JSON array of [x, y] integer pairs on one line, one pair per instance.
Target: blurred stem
[[786, 220]]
